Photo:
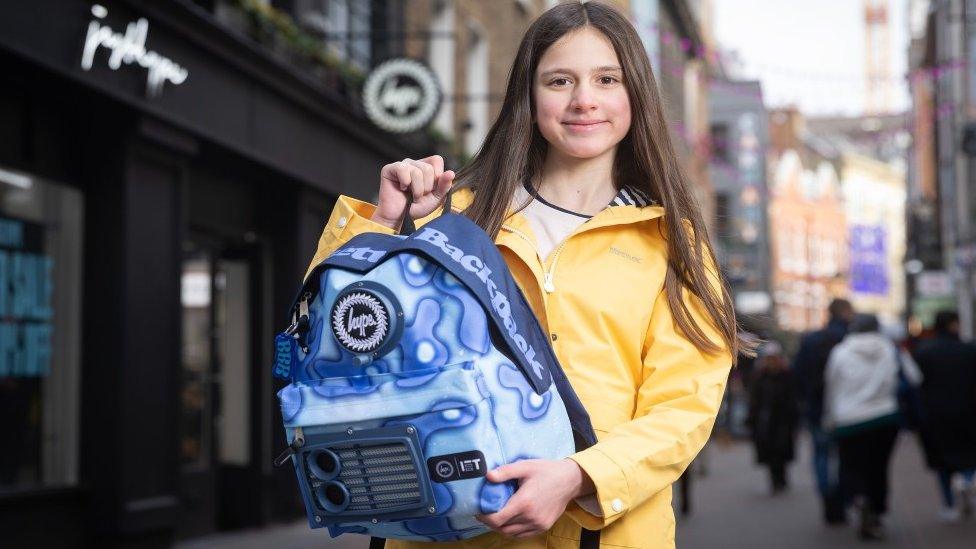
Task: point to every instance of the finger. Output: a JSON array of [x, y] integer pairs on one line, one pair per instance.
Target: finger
[[429, 170], [437, 161], [403, 176], [508, 514], [518, 530], [429, 177], [516, 470], [416, 183], [444, 184], [531, 533], [493, 521], [389, 173]]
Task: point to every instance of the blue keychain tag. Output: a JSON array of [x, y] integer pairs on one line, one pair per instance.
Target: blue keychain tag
[[285, 355]]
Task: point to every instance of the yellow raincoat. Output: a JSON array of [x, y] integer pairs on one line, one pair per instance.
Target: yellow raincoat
[[651, 394]]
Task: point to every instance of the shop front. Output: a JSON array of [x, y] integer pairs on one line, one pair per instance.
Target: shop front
[[163, 182]]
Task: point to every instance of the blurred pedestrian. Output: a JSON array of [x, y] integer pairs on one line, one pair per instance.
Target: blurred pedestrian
[[861, 412], [808, 371], [948, 417], [773, 413]]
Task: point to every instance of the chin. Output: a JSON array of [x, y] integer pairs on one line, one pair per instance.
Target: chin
[[585, 152]]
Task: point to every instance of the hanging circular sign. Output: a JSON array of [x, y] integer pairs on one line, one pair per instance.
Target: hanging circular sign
[[401, 95]]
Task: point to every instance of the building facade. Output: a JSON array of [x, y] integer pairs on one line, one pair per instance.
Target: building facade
[[739, 145], [874, 205], [807, 226], [941, 191], [869, 154], [166, 169]]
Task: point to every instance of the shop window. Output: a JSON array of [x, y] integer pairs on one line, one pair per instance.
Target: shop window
[[40, 313], [720, 143], [344, 25]]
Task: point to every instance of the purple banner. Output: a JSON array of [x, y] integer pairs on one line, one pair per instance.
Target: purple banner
[[869, 263]]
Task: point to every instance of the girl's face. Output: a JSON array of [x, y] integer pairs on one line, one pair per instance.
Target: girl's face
[[582, 108]]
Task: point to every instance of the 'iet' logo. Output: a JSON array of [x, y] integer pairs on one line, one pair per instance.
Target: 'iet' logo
[[459, 466]]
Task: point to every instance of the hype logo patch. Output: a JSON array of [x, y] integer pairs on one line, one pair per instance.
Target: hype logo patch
[[360, 321]]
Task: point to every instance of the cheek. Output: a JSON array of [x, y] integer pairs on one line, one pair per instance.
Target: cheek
[[619, 105], [549, 105]]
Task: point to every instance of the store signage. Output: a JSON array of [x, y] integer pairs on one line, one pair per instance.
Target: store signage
[[401, 95], [25, 300], [933, 284], [869, 260], [129, 49]]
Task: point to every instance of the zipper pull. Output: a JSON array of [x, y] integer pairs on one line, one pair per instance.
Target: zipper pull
[[548, 285], [299, 325], [292, 448]]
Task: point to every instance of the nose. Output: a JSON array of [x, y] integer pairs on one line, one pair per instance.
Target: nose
[[583, 99]]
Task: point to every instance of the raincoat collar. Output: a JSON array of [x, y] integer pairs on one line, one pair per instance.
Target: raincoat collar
[[611, 215]]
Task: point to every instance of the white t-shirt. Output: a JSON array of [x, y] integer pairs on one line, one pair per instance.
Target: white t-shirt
[[551, 224]]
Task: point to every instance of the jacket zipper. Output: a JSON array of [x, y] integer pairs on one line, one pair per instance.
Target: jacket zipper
[[549, 284], [549, 273]]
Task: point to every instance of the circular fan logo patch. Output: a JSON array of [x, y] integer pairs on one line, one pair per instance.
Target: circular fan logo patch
[[360, 321]]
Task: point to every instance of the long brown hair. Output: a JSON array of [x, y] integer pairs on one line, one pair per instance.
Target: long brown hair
[[645, 159]]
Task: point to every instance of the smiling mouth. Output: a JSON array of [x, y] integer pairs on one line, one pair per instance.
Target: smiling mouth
[[586, 128]]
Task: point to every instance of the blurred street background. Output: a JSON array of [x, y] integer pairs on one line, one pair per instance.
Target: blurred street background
[[731, 509], [167, 166]]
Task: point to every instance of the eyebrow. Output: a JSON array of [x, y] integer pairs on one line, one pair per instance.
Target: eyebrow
[[604, 68]]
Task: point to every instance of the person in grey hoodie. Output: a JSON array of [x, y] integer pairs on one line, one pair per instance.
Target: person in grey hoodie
[[861, 410]]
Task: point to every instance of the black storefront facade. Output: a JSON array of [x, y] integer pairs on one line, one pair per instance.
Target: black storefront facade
[[152, 234]]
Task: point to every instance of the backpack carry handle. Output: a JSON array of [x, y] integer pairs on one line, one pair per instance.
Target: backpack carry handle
[[405, 225]]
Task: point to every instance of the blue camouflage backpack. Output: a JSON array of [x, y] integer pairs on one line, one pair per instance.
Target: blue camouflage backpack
[[414, 367]]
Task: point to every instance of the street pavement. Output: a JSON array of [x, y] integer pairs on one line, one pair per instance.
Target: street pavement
[[731, 509]]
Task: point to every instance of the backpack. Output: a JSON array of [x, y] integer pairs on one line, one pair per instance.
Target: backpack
[[415, 366]]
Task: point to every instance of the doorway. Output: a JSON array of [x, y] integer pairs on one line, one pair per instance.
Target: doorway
[[219, 477]]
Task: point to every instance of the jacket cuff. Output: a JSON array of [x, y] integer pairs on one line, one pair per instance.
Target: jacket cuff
[[350, 217], [612, 497]]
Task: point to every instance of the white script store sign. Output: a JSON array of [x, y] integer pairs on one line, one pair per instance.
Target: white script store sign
[[129, 49]]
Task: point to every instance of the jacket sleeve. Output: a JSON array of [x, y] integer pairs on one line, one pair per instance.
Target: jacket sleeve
[[349, 218], [677, 401], [830, 385]]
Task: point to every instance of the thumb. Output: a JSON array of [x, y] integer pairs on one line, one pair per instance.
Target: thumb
[[517, 470]]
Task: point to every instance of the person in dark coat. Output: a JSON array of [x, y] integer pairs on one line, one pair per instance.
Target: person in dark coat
[[773, 413], [808, 371], [948, 422]]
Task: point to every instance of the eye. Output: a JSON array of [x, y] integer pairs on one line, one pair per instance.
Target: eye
[[609, 80], [558, 81]]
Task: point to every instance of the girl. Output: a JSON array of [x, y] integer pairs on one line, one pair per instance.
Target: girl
[[578, 184]]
